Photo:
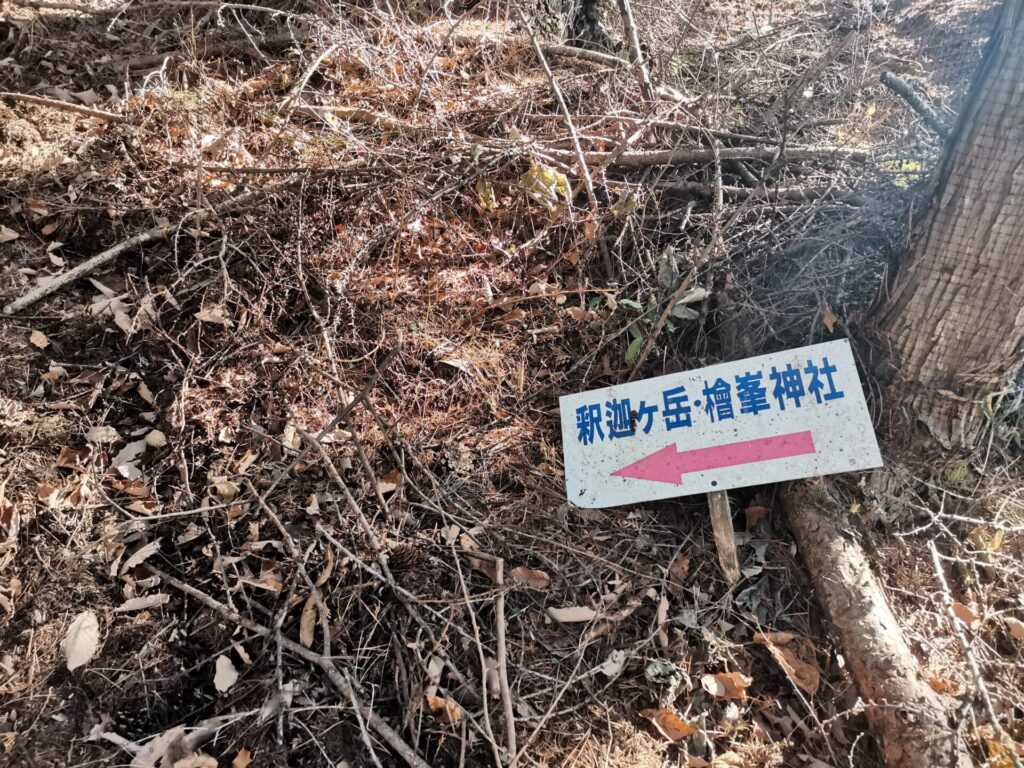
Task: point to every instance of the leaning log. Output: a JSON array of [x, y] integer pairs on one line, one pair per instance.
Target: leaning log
[[911, 721]]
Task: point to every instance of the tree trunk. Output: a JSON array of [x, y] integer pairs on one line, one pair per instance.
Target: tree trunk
[[911, 721], [955, 319]]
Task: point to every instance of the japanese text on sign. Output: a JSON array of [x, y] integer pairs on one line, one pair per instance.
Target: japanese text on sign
[[783, 416], [790, 386]]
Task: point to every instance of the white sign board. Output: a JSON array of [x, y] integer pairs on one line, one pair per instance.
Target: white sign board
[[798, 413]]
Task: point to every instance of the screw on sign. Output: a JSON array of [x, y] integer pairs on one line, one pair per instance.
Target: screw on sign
[[783, 416]]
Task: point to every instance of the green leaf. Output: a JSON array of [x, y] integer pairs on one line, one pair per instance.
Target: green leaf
[[630, 303], [633, 350], [634, 331]]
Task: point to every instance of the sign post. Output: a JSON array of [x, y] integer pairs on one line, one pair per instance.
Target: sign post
[[784, 416]]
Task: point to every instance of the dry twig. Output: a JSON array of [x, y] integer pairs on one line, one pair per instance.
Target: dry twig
[[66, 106]]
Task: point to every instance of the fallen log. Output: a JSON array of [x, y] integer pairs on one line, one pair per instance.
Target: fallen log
[[911, 720]]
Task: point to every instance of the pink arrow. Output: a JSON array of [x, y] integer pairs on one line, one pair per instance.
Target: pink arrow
[[669, 464]]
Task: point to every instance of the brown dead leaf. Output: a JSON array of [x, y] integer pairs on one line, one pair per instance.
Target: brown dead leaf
[[134, 488], [445, 710], [48, 494], [677, 573], [530, 577], [81, 640], [73, 458], [242, 759], [7, 234], [966, 614], [144, 506], [390, 482], [225, 674], [515, 316], [307, 624], [572, 614], [213, 316], [485, 566], [796, 655], [669, 724], [39, 339], [165, 748], [145, 393], [198, 760], [755, 513], [10, 520], [325, 574], [942, 686], [142, 603], [224, 490], [828, 319], [140, 555], [1016, 627], [726, 685]]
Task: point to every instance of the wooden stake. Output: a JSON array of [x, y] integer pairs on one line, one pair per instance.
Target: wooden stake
[[725, 538]]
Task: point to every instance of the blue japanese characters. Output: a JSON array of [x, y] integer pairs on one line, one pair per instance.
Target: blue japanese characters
[[747, 394]]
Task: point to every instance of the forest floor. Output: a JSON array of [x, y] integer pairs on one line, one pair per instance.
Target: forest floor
[[323, 393]]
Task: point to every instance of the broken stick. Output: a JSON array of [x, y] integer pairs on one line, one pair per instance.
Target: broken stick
[[928, 115], [642, 75], [725, 538], [65, 106]]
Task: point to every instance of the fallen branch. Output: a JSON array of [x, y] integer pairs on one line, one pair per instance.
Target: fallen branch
[[668, 125], [639, 65], [502, 661], [90, 265], [770, 194], [87, 267], [368, 117], [909, 718], [53, 5], [226, 47], [339, 679], [700, 156], [595, 57], [928, 115], [66, 106]]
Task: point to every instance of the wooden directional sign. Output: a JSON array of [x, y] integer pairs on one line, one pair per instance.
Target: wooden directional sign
[[783, 416]]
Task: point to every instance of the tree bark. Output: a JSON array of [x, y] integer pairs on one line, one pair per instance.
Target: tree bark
[[955, 318], [911, 721]]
